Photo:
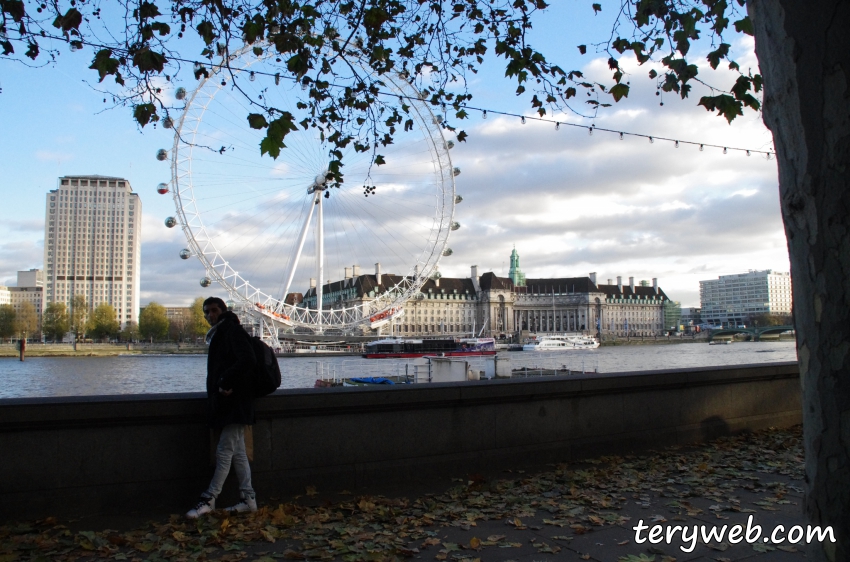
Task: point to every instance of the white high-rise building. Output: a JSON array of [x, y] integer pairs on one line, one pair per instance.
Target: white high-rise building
[[32, 295], [31, 278], [92, 244], [735, 299]]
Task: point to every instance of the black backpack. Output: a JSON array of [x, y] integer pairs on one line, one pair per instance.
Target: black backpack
[[267, 374]]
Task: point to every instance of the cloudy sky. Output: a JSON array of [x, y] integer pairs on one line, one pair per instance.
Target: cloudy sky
[[570, 203]]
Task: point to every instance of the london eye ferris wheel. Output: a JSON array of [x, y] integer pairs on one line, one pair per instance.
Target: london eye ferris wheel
[[265, 228]]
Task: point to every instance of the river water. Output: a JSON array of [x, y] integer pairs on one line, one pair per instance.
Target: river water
[[139, 374]]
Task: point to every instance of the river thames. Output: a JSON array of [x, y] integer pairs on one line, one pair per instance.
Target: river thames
[[140, 374]]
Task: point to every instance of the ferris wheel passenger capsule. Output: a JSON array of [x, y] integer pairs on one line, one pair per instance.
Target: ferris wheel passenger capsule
[[206, 282], [170, 222], [180, 93], [161, 154], [168, 122], [458, 199], [456, 171], [447, 252], [185, 254], [450, 144], [455, 225], [162, 188]]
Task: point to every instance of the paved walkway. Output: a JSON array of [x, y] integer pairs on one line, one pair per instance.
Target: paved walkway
[[578, 511]]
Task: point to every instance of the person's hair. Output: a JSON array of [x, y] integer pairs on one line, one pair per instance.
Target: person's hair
[[216, 301]]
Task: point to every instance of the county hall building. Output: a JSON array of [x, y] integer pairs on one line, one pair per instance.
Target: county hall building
[[493, 306]]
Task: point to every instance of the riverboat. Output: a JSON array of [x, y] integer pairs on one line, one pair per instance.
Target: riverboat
[[561, 342], [397, 348]]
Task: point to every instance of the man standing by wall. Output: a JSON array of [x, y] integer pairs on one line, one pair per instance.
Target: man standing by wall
[[230, 396]]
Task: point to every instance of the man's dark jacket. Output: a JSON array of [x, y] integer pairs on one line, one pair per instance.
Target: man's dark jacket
[[230, 365]]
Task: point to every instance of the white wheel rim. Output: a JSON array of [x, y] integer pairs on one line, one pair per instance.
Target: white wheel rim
[[188, 188]]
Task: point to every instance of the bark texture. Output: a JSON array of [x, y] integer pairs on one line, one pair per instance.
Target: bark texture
[[803, 48]]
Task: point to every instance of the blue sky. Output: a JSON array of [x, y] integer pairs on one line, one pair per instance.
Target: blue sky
[[571, 203]]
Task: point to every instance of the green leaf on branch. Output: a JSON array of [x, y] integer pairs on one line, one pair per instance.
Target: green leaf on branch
[[582, 49], [147, 60], [741, 90], [724, 104], [257, 121], [144, 112], [104, 64], [621, 45], [277, 131], [205, 30], [147, 10], [619, 92], [161, 27], [15, 8], [253, 30], [714, 56], [682, 43], [597, 8], [32, 50], [379, 160], [298, 64], [744, 25], [71, 20], [741, 87]]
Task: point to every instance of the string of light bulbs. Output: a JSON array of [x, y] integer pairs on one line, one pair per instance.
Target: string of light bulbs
[[769, 154]]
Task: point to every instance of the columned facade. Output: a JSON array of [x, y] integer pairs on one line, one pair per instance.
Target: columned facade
[[492, 306]]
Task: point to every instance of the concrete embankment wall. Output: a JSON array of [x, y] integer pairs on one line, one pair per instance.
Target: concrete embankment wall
[[77, 456]]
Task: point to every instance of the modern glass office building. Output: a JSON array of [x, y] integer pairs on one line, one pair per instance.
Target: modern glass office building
[[735, 299]]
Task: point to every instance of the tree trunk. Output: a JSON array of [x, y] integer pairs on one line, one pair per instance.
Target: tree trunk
[[803, 48]]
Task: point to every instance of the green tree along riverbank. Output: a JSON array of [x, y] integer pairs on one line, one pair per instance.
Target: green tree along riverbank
[[101, 349]]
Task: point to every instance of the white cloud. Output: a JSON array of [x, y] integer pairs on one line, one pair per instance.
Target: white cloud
[[574, 203]]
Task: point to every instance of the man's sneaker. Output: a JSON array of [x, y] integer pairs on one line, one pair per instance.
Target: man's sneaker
[[205, 505], [247, 504]]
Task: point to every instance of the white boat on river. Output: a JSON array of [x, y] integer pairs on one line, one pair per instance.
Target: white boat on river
[[561, 342]]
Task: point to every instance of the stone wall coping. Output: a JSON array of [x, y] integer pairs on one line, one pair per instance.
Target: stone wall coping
[[134, 409]]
